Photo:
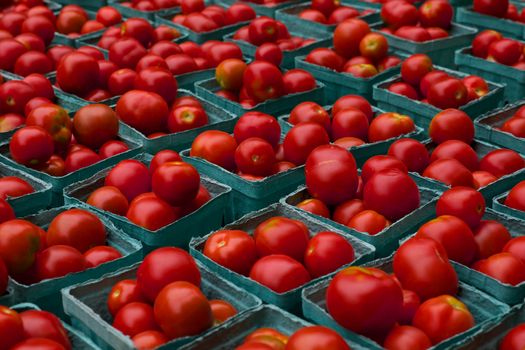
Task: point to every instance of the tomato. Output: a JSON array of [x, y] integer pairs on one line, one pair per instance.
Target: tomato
[[516, 247], [360, 70], [77, 228], [139, 29], [302, 139], [257, 124], [11, 328], [379, 163], [412, 153], [229, 74], [515, 126], [331, 174], [369, 222], [43, 324], [482, 41], [57, 261], [131, 177], [430, 79], [150, 61], [221, 310], [149, 340], [75, 67], [316, 338], [348, 35], [514, 339], [108, 16], [504, 267], [55, 166], [263, 81], [121, 81], [233, 249], [112, 148], [435, 13], [411, 303], [12, 186], [33, 62], [216, 147], [177, 183], [412, 33], [458, 150], [374, 46], [422, 266], [185, 118], [443, 317], [310, 112], [80, 158], [350, 122], [314, 206], [262, 30], [477, 87], [501, 162], [414, 68], [450, 172], [70, 22], [255, 156], [326, 252], [369, 286], [10, 50], [92, 52], [157, 80], [491, 238], [164, 49], [399, 13], [464, 203], [389, 125], [516, 197], [135, 318], [162, 157], [353, 101], [222, 51], [38, 343], [505, 51], [269, 52], [93, 125], [122, 293], [279, 273], [126, 52], [281, 235], [346, 210], [405, 90], [326, 58], [100, 255], [40, 26], [14, 95], [407, 337], [163, 266], [262, 333], [455, 236], [298, 80], [19, 242], [448, 93], [11, 121], [150, 212], [239, 12]]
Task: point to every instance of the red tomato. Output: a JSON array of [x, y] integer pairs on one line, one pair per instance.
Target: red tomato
[[126, 52], [217, 147], [255, 156], [346, 210], [353, 101], [448, 93], [139, 29], [112, 148], [430, 79], [263, 30], [516, 197], [93, 125], [298, 80], [19, 242], [33, 62], [455, 236], [38, 343], [12, 186], [75, 67], [4, 277], [326, 252], [379, 163], [331, 174], [162, 157], [514, 339], [435, 13], [326, 58], [281, 235], [505, 51], [504, 267], [177, 183], [515, 126], [269, 52], [263, 81], [121, 81], [369, 286], [163, 266], [314, 206], [443, 317], [55, 166], [145, 111], [43, 324], [404, 89], [315, 338], [100, 255], [348, 35], [157, 80], [389, 125], [108, 16], [14, 96], [310, 112], [40, 26], [10, 50], [232, 249], [374, 46], [11, 121], [77, 228], [399, 13], [411, 303], [464, 203], [122, 293], [491, 238], [414, 68], [302, 139], [369, 222], [516, 247], [148, 340], [279, 273], [11, 329], [57, 261], [149, 211], [239, 12], [135, 318], [411, 152], [80, 158], [221, 310], [257, 124], [131, 177], [109, 198], [422, 266], [451, 172], [407, 337], [458, 150], [350, 122], [501, 162]]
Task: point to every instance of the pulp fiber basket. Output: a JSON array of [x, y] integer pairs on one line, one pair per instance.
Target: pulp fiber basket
[[506, 27], [499, 205]]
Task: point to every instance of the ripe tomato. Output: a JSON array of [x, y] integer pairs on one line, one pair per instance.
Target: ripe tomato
[[298, 80], [477, 87], [443, 317], [263, 81], [145, 111], [422, 266], [93, 125], [430, 79], [255, 156], [40, 26], [279, 273], [331, 173], [257, 124], [121, 81], [149, 340], [12, 186], [407, 337], [77, 228], [112, 148], [79, 158], [483, 178], [412, 153], [501, 162], [369, 286], [233, 249], [108, 16], [122, 293], [389, 125], [458, 150], [229, 74], [516, 197], [100, 255], [326, 58], [217, 147], [379, 163], [177, 183], [135, 318], [504, 51], [14, 96], [411, 303], [405, 90], [455, 236], [38, 343], [346, 210], [504, 267], [350, 122], [464, 203], [263, 30], [31, 146], [374, 46], [314, 206], [269, 52], [19, 242], [399, 13], [162, 157], [348, 35], [55, 120], [11, 328], [515, 126], [353, 101], [326, 252], [310, 112], [75, 67], [448, 93], [491, 238], [163, 266], [11, 121], [316, 338], [451, 172], [149, 211], [516, 247], [131, 177], [157, 80], [302, 139], [57, 261], [368, 221], [10, 50], [514, 339], [221, 310], [281, 235], [43, 324], [414, 68]]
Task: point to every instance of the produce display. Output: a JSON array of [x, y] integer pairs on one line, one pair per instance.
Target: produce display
[[228, 174]]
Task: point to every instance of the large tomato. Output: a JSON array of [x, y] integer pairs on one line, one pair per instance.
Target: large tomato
[[331, 174], [31, 146], [514, 339], [412, 153], [229, 74], [55, 120], [263, 81], [280, 273], [12, 186], [257, 124], [389, 125], [163, 266], [346, 210], [414, 68], [448, 93], [263, 30], [131, 177], [443, 317], [157, 80], [310, 112], [464, 203], [109, 198], [399, 13], [491, 237], [302, 139], [232, 249], [379, 163], [326, 58], [57, 261], [353, 289], [326, 252], [316, 338], [11, 328], [255, 156], [516, 197], [145, 111], [368, 221], [503, 267], [281, 235], [353, 101], [162, 157], [455, 236], [449, 171], [407, 337], [150, 212], [135, 318], [43, 324], [177, 183], [451, 124], [19, 242], [502, 162], [350, 122], [458, 150], [217, 147], [77, 73], [93, 125], [422, 266], [348, 35], [181, 309]]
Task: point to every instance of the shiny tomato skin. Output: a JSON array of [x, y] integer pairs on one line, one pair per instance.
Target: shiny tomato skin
[[443, 317], [135, 318], [353, 101], [412, 153], [33, 62], [269, 52], [55, 120], [407, 337], [11, 327], [262, 30], [430, 79], [112, 148], [314, 206], [181, 309], [233, 249], [516, 197], [389, 125], [326, 58], [257, 124], [483, 178], [326, 252], [449, 171], [263, 81], [177, 183], [279, 273], [310, 112], [221, 310], [399, 13], [131, 177], [420, 263], [405, 90], [10, 50], [80, 158], [514, 339], [464, 203], [411, 302], [448, 93], [6, 211], [348, 35], [95, 124], [298, 80], [516, 247], [370, 286], [150, 212], [222, 51], [316, 338], [38, 343], [229, 74], [157, 80], [501, 162], [350, 122], [77, 228], [148, 340], [255, 156], [414, 68], [100, 255], [491, 237], [75, 67], [369, 222], [145, 111], [455, 236], [281, 235], [302, 139], [163, 266], [40, 26], [14, 95], [108, 16], [57, 261], [12, 186], [184, 118], [379, 163], [19, 242], [126, 52], [216, 147], [346, 210], [458, 150], [504, 267], [43, 324], [121, 81], [162, 157], [122, 293]]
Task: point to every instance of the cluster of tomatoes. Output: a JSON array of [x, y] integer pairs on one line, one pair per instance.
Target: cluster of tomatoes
[[420, 81], [32, 254], [280, 255], [73, 20], [430, 22], [306, 337], [151, 197], [356, 50], [491, 45], [32, 329], [330, 12], [516, 199], [151, 5], [201, 18], [417, 304], [499, 8], [54, 143], [165, 301]]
